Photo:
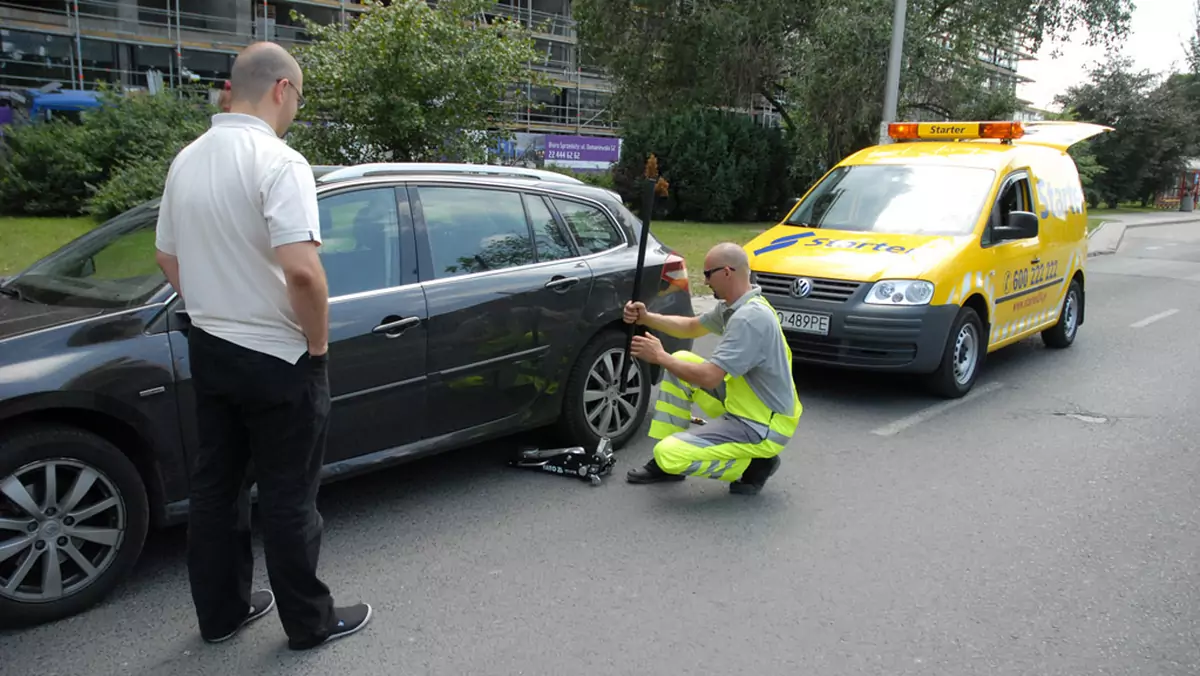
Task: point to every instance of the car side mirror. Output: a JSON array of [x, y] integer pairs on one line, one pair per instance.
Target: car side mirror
[[84, 268], [1021, 225]]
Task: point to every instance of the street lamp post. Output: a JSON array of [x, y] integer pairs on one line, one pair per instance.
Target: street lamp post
[[891, 92]]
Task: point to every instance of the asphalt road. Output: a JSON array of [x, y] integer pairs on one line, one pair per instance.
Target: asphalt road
[[1048, 524]]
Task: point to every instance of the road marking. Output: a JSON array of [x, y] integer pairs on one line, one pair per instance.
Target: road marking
[[933, 411], [1153, 318]]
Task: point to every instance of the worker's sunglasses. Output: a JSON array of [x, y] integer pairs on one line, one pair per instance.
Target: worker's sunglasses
[[709, 273]]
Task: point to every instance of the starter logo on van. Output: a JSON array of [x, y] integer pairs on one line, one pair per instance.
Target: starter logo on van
[[831, 243]]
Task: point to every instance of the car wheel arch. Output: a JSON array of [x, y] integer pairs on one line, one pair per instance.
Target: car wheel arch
[[120, 432], [1079, 277], [980, 305]]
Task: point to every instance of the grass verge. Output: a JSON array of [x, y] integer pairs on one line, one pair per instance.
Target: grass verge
[[24, 240], [692, 240]]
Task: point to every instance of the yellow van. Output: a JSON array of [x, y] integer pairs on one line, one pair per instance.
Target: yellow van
[[925, 254]]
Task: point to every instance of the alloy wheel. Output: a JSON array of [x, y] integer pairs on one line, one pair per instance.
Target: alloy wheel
[[610, 413], [62, 523]]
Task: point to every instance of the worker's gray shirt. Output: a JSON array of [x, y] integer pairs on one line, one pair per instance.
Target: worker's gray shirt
[[752, 346]]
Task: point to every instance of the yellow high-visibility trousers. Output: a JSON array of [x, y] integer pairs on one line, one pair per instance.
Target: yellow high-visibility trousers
[[721, 449]]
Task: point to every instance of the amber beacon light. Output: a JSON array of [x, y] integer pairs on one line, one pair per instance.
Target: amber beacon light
[[955, 131]]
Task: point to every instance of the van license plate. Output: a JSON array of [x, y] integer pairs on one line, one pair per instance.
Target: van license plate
[[804, 322]]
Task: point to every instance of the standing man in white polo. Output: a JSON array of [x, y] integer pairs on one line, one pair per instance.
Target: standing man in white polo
[[237, 237]]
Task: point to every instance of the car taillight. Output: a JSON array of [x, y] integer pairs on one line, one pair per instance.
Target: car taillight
[[674, 272]]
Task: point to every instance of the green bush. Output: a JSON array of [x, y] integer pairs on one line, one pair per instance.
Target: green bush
[[134, 182], [47, 169], [603, 179], [62, 168], [721, 166]]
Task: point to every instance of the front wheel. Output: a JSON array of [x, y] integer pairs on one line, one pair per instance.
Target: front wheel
[[73, 517], [594, 406], [1062, 334], [963, 357]]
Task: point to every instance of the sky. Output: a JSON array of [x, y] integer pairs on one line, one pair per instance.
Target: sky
[[1157, 41]]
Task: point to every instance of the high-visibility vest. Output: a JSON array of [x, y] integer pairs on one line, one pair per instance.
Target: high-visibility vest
[[742, 402]]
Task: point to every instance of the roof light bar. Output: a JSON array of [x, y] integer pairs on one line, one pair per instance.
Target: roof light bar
[[955, 131]]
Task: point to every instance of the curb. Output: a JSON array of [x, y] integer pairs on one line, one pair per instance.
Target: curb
[[1179, 221], [702, 304], [1104, 227]]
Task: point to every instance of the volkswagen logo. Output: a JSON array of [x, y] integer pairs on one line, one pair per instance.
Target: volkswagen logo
[[801, 287]]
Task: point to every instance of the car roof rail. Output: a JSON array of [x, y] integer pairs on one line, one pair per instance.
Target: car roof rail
[[452, 168], [320, 170]]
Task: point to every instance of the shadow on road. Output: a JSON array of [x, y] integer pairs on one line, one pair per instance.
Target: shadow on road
[[866, 389], [397, 489]]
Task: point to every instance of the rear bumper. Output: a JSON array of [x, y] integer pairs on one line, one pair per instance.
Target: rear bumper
[[869, 337]]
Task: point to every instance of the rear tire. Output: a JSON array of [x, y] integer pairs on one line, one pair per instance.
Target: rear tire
[[1062, 335], [110, 511], [591, 395], [963, 357]]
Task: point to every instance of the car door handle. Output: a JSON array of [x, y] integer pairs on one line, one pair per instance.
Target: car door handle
[[562, 283], [1037, 260], [395, 328]]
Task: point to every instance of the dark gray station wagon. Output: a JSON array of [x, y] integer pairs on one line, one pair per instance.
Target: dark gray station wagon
[[467, 303]]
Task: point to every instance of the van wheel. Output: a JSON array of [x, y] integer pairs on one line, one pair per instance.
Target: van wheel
[[963, 357], [1062, 334], [73, 518], [593, 406]]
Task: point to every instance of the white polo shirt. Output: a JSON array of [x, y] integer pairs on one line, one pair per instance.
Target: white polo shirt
[[231, 197]]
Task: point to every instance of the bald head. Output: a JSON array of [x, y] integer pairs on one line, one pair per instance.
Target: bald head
[[728, 253], [258, 68], [727, 271]]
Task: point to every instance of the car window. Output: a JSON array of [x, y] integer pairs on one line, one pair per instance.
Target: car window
[[897, 198], [111, 267], [475, 230], [551, 242], [591, 228], [1015, 196], [360, 249]]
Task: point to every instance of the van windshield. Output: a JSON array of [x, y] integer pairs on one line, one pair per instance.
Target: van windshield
[[897, 198], [112, 267]]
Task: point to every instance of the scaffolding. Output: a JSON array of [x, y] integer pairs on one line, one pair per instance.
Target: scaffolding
[[127, 41]]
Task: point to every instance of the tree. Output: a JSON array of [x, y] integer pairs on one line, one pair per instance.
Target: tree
[[672, 54], [406, 81], [820, 64], [720, 166], [1155, 124]]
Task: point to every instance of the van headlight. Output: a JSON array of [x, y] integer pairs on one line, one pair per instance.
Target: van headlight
[[900, 292]]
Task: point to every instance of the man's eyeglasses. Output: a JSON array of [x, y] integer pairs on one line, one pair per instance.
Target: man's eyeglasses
[[709, 273], [299, 96]]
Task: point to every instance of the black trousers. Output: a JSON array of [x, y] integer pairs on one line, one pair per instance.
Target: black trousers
[[255, 409]]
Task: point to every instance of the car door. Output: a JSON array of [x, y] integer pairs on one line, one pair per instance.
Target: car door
[[377, 321], [1018, 295], [377, 330], [505, 292]]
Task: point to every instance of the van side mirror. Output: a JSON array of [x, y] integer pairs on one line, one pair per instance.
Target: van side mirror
[[1021, 225]]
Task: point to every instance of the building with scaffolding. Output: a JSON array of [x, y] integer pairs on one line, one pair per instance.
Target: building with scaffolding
[[149, 43]]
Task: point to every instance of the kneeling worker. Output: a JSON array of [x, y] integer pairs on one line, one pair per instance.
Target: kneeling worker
[[746, 388]]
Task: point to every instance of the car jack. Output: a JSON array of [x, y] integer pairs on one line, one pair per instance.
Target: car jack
[[571, 461]]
